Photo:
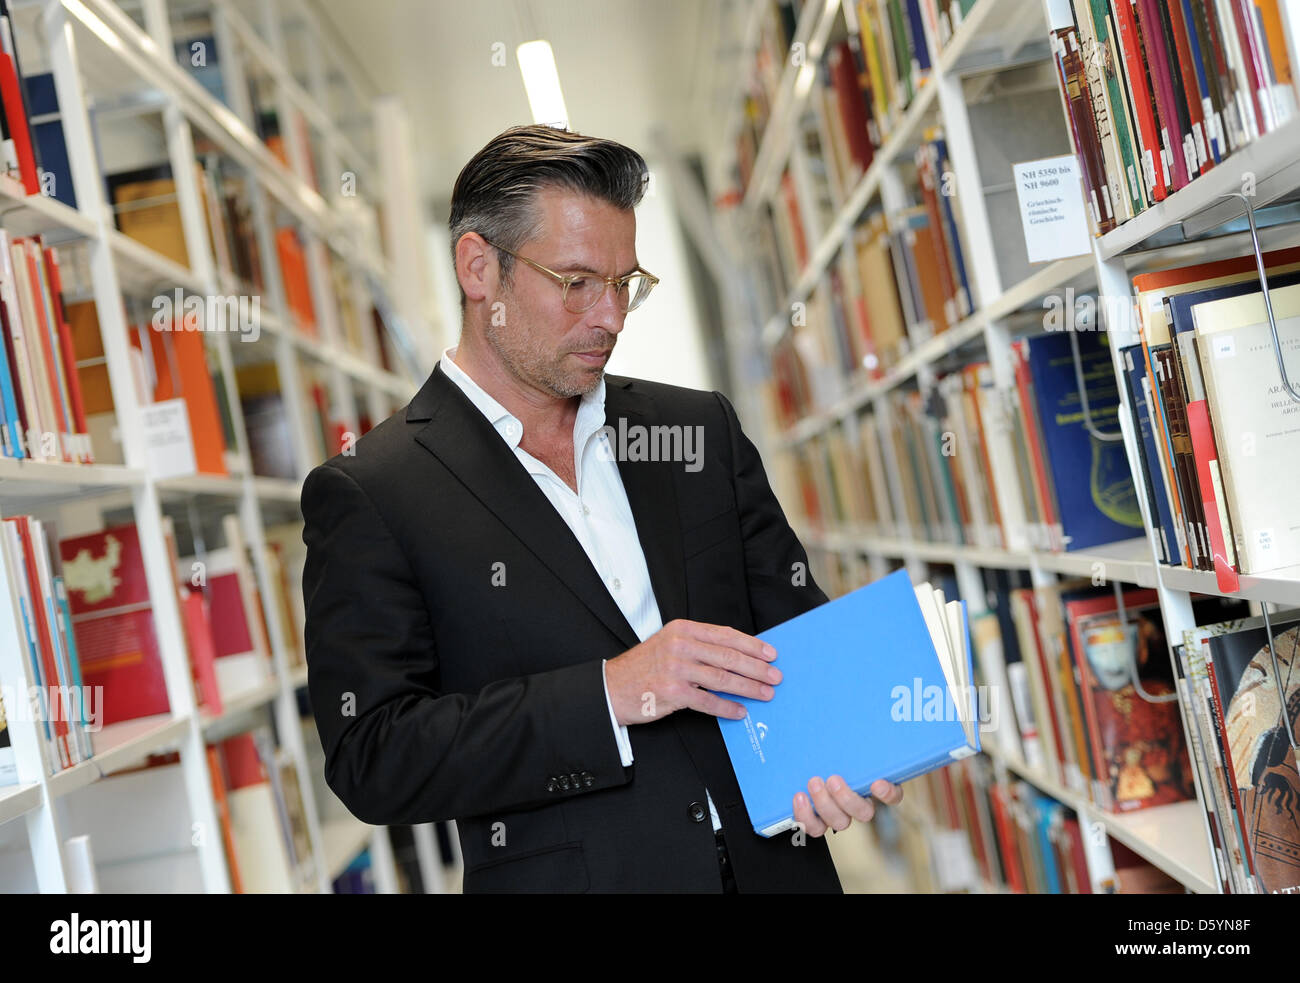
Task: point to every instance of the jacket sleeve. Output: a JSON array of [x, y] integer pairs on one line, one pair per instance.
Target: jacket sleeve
[[398, 750], [776, 566]]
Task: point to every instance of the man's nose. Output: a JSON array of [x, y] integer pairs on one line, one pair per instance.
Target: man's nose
[[607, 313]]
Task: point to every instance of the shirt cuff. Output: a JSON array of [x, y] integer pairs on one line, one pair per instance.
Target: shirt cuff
[[620, 731]]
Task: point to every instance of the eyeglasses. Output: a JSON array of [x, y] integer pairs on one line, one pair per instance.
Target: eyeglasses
[[581, 292]]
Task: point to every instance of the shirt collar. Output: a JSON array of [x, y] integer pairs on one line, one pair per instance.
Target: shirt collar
[[591, 408]]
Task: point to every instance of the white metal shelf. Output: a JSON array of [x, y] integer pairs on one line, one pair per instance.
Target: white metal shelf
[[119, 746], [18, 800], [1272, 159], [235, 711]]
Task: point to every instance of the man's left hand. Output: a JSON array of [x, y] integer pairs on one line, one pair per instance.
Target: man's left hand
[[833, 805]]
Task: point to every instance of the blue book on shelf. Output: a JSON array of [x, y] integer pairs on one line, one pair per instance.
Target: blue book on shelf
[[874, 687], [1095, 496], [1047, 809], [1135, 372], [47, 133]]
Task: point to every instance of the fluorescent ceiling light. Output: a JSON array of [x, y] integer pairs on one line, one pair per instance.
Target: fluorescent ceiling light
[[542, 83]]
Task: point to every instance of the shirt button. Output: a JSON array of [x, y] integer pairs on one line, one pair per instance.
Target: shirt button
[[586, 509], [617, 584]]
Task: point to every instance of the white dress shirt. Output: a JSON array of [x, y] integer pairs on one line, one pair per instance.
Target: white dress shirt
[[598, 513]]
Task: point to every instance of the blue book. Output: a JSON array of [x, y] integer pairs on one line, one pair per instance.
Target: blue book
[[47, 134], [1103, 508], [1135, 371], [1047, 809], [877, 684]]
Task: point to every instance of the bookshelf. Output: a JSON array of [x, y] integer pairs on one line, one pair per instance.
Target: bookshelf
[[113, 68], [995, 41]]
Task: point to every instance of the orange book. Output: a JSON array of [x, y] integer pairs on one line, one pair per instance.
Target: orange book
[[223, 817], [925, 253], [181, 367], [293, 271]]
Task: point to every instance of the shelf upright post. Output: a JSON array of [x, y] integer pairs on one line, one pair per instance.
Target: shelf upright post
[[82, 158]]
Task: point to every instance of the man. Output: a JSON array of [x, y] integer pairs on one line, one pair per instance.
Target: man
[[520, 617]]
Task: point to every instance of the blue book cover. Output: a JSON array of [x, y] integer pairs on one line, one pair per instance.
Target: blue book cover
[[1096, 499], [47, 134], [864, 696], [1046, 809], [1135, 371], [950, 219], [1179, 306]]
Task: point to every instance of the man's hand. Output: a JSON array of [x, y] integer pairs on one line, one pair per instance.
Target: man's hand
[[677, 666], [836, 805]]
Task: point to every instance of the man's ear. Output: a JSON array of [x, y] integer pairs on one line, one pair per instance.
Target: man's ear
[[475, 268]]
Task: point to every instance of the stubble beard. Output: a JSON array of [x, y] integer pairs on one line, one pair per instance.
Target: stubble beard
[[531, 363]]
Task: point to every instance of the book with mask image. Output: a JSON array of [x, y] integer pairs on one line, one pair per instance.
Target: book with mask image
[[876, 684]]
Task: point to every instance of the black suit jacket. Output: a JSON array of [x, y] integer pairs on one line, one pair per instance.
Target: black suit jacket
[[455, 632]]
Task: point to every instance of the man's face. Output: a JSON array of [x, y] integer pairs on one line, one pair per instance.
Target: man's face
[[535, 337]]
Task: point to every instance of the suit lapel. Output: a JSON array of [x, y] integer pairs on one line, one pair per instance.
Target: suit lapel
[[463, 440], [461, 437], [650, 493]]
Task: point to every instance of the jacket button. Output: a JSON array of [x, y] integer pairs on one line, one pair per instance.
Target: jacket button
[[550, 784], [588, 779], [564, 782], [697, 812], [576, 780]]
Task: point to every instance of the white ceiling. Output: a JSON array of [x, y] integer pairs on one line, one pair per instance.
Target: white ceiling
[[626, 67]]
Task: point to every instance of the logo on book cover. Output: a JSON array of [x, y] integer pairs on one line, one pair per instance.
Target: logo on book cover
[[757, 734]]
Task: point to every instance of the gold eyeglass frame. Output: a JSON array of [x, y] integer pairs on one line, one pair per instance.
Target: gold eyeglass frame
[[567, 280]]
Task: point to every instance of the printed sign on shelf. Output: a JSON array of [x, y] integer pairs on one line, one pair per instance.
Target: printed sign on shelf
[[1052, 210]]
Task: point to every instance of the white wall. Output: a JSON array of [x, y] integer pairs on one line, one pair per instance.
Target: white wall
[[661, 339]]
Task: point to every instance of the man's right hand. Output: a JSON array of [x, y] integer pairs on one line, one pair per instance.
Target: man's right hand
[[677, 666]]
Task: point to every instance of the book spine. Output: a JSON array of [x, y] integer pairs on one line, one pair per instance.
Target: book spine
[[1158, 60], [1135, 72]]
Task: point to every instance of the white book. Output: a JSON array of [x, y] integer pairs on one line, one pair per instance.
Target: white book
[[1256, 423]]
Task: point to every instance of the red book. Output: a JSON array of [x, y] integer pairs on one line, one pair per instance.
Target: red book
[[1158, 59], [1205, 453], [243, 764], [1191, 88], [112, 620], [1138, 749], [796, 220], [1007, 840], [1136, 71], [11, 96], [1034, 440], [198, 628], [853, 107], [1077, 855], [1256, 71], [69, 357], [49, 346]]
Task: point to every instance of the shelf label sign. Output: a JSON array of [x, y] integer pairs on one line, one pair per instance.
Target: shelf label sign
[[167, 438], [1052, 209]]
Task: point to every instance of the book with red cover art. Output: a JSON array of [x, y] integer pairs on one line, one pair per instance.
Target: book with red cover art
[[112, 620], [1130, 45], [1135, 729], [11, 95], [852, 105]]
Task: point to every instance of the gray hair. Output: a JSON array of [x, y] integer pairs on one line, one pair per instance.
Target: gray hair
[[496, 192]]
